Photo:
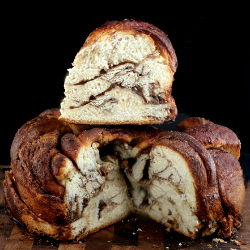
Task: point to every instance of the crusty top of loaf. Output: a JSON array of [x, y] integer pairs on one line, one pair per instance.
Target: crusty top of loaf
[[129, 25]]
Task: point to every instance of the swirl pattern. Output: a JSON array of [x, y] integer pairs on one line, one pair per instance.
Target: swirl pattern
[[68, 181]]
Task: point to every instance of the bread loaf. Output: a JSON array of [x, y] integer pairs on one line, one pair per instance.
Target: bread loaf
[[69, 181], [123, 74]]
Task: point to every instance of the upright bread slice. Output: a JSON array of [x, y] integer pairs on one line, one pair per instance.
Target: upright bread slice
[[123, 74]]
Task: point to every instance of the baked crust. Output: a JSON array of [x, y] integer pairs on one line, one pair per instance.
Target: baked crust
[[61, 178], [216, 136], [160, 38], [22, 215], [232, 190], [192, 121]]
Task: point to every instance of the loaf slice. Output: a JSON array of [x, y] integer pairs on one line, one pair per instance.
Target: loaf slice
[[123, 74]]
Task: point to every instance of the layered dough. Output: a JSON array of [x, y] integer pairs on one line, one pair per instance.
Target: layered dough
[[122, 65], [69, 181]]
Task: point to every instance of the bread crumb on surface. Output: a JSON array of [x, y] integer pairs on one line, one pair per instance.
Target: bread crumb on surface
[[236, 242], [219, 240]]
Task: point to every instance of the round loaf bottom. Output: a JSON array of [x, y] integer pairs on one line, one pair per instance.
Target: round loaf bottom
[[68, 181]]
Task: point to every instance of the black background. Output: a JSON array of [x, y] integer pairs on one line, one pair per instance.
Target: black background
[[212, 44]]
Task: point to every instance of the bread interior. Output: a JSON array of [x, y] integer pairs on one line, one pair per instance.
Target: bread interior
[[117, 73], [157, 183]]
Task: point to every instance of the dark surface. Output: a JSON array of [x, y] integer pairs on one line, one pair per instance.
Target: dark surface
[[212, 43]]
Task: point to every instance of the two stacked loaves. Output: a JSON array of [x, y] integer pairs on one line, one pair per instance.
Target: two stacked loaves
[[70, 179]]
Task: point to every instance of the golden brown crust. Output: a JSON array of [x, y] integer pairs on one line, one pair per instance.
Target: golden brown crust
[[23, 216], [192, 121], [216, 136], [39, 126], [54, 112], [231, 181], [232, 190], [33, 148], [160, 38]]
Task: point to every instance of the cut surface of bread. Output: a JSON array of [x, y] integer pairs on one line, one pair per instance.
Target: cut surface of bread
[[123, 74], [68, 182]]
